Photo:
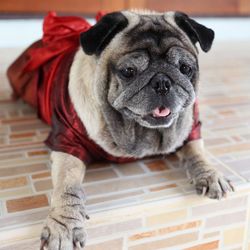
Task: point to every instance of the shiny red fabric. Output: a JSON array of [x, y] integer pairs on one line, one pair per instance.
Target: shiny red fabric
[[195, 133], [40, 76], [60, 35]]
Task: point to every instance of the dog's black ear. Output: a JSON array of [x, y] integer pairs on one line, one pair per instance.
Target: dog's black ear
[[98, 37], [195, 31]]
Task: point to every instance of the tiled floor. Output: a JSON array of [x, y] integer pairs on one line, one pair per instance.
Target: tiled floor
[[147, 204]]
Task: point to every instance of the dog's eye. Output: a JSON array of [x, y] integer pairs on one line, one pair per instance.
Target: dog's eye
[[128, 72], [186, 70]]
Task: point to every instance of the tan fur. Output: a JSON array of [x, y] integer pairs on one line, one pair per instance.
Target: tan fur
[[71, 174], [169, 17], [67, 171], [81, 90], [192, 148]]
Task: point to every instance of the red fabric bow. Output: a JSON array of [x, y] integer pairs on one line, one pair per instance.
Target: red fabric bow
[[60, 36]]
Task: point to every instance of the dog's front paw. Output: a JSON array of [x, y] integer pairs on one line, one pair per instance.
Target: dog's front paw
[[64, 226], [212, 184], [57, 235]]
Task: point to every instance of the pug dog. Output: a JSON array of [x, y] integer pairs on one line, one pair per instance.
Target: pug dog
[[131, 91]]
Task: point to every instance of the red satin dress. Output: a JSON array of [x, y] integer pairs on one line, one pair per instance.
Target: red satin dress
[[40, 77]]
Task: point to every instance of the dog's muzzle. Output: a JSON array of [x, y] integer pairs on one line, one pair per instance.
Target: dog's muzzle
[[161, 83]]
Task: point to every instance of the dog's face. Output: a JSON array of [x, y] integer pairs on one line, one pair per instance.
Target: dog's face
[[155, 81], [151, 63]]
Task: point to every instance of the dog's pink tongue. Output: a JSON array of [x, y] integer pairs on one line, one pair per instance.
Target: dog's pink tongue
[[161, 112]]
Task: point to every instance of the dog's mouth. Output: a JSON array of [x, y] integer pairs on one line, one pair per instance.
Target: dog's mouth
[[159, 117], [161, 112]]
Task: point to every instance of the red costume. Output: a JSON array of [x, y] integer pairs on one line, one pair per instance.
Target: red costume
[[40, 76]]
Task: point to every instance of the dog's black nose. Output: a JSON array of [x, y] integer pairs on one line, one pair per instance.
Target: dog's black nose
[[161, 84]]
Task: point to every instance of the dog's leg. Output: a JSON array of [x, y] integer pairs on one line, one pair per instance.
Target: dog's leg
[[207, 180], [64, 226]]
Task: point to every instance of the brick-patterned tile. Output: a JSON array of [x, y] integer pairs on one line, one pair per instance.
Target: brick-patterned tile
[[4, 157], [16, 192], [211, 234], [109, 229], [18, 120], [205, 246], [116, 244], [23, 169], [13, 183], [21, 135], [130, 169], [240, 166], [164, 218], [41, 175], [174, 241], [23, 245], [104, 174], [40, 152], [43, 185], [157, 165], [232, 218], [27, 127], [234, 236], [165, 230], [26, 203], [123, 184], [159, 188], [216, 141], [113, 197], [26, 217], [230, 148], [222, 206]]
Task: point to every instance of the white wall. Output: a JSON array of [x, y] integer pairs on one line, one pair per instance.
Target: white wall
[[21, 33]]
